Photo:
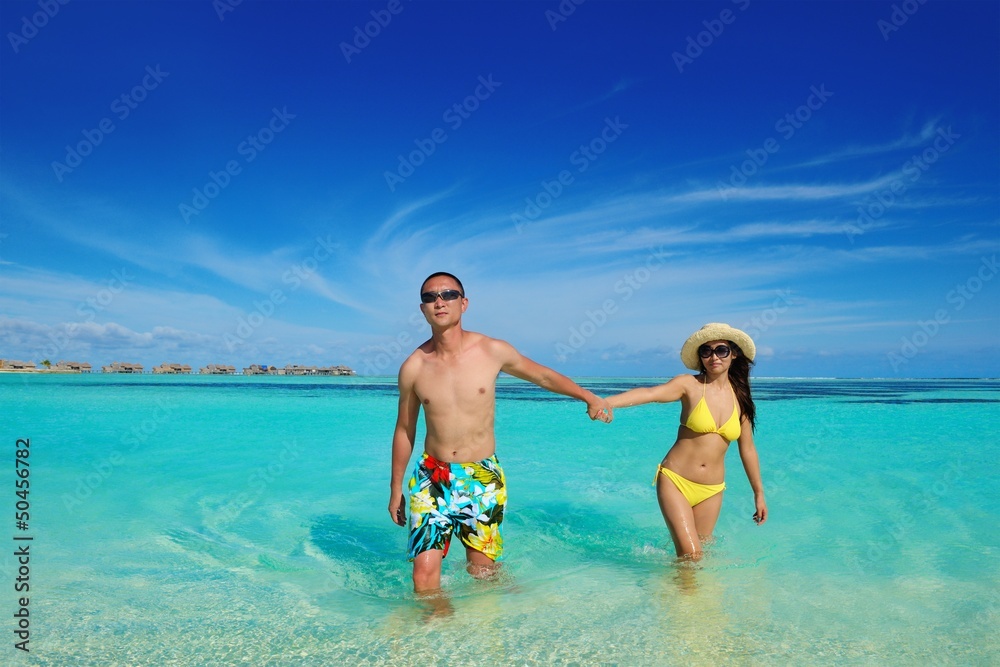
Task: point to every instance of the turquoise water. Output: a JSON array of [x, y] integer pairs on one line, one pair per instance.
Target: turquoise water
[[242, 520]]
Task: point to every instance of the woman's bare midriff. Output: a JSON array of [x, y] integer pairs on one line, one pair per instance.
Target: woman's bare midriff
[[699, 457]]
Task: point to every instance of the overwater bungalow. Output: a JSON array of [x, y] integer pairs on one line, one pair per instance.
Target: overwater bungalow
[[334, 370], [218, 369], [72, 367], [11, 365], [122, 367], [172, 369]]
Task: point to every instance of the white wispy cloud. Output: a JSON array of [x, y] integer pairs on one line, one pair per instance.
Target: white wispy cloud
[[905, 142], [790, 192]]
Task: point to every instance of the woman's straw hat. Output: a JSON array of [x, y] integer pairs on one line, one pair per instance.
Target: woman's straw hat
[[715, 331]]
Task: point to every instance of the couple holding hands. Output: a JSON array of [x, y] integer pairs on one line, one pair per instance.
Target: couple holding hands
[[457, 487]]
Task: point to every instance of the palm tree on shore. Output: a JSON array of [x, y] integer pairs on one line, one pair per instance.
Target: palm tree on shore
[[46, 363]]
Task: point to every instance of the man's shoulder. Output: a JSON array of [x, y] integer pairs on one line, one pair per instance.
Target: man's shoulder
[[417, 357], [493, 346]]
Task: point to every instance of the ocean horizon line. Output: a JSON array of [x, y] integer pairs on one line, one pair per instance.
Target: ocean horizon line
[[502, 377]]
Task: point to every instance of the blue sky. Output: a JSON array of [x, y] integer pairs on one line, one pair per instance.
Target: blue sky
[[203, 182]]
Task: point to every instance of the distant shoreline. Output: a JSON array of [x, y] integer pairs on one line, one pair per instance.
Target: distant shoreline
[[54, 371]]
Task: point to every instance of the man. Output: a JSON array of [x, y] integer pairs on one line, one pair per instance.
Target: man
[[458, 485]]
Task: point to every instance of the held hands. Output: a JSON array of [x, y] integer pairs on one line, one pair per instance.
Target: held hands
[[599, 408], [396, 509]]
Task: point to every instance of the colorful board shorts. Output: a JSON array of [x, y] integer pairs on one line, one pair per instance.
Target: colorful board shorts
[[467, 499]]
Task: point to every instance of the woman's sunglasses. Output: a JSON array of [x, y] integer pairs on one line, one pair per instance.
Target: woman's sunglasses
[[447, 295], [706, 352]]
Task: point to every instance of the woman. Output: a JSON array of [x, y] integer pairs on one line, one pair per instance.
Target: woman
[[716, 408]]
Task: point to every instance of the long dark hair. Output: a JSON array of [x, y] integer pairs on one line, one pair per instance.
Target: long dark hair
[[739, 377]]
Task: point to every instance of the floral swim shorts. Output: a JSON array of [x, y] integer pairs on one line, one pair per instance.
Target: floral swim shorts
[[463, 498]]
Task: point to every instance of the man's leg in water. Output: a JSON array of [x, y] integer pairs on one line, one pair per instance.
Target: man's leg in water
[[427, 570], [480, 566]]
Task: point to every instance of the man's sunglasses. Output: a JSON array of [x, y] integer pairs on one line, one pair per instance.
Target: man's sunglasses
[[447, 295], [706, 352]]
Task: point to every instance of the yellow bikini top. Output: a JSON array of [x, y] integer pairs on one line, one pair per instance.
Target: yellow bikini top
[[701, 420]]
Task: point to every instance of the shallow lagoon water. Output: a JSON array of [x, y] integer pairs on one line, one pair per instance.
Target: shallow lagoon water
[[241, 520]]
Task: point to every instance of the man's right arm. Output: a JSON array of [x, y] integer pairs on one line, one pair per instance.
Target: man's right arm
[[516, 364], [403, 439]]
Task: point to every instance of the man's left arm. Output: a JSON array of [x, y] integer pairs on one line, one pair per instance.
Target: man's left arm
[[516, 364]]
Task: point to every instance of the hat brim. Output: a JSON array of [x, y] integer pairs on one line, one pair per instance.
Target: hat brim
[[715, 331]]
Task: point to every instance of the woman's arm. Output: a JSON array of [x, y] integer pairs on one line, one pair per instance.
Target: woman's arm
[[664, 393], [751, 464]]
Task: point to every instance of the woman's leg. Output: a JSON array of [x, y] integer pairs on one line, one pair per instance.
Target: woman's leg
[[706, 514], [680, 518]]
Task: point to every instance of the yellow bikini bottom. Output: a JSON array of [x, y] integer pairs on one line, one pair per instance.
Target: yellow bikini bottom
[[692, 491]]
